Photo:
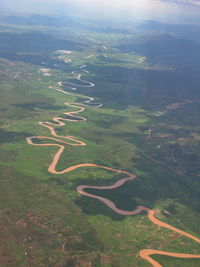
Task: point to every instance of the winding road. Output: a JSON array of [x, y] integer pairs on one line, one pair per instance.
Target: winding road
[[72, 116]]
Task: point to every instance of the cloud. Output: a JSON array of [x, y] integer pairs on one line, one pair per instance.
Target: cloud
[[116, 4], [183, 2], [164, 10], [112, 2]]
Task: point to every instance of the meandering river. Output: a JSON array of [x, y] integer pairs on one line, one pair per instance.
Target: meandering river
[[73, 116]]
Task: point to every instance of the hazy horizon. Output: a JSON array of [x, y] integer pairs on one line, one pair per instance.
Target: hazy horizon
[[165, 10]]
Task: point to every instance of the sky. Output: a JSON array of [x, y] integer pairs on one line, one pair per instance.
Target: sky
[[138, 9]]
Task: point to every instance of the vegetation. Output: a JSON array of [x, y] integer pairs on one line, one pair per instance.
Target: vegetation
[[140, 129]]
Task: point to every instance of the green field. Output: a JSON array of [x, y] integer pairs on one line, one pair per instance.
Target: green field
[[43, 220]]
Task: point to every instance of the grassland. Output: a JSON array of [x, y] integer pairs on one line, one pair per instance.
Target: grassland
[[44, 222]]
